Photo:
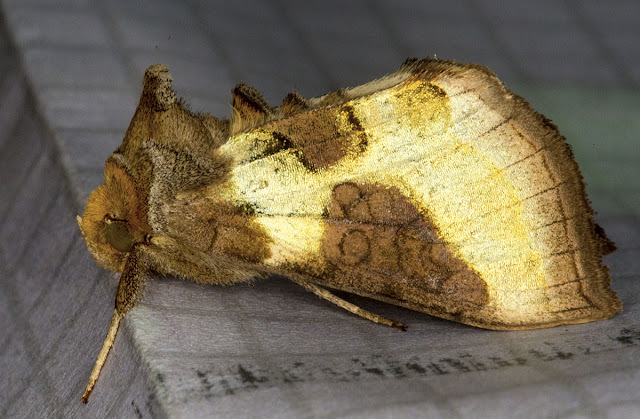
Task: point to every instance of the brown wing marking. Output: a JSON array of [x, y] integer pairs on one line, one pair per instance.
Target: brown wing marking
[[322, 136], [220, 228], [378, 242]]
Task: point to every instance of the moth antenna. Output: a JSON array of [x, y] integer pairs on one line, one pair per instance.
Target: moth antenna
[[332, 298], [102, 356]]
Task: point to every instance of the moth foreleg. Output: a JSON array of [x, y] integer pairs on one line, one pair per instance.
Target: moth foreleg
[[102, 356], [332, 298], [132, 280]]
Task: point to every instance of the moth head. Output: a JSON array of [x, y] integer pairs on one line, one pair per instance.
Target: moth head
[[114, 219]]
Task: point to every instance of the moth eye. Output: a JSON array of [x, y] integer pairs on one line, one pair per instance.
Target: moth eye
[[113, 217], [118, 235]]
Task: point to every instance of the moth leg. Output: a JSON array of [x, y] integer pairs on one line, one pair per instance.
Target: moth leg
[[129, 290], [102, 356], [332, 298]]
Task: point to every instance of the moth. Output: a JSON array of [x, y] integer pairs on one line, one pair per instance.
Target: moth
[[433, 188]]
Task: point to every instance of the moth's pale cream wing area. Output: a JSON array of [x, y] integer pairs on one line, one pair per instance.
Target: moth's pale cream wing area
[[438, 190]]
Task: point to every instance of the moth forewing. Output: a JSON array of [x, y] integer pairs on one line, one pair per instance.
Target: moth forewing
[[460, 201], [434, 188]]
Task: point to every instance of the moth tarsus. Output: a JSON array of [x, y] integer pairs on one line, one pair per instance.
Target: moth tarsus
[[102, 356], [332, 298], [400, 326], [434, 188]]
